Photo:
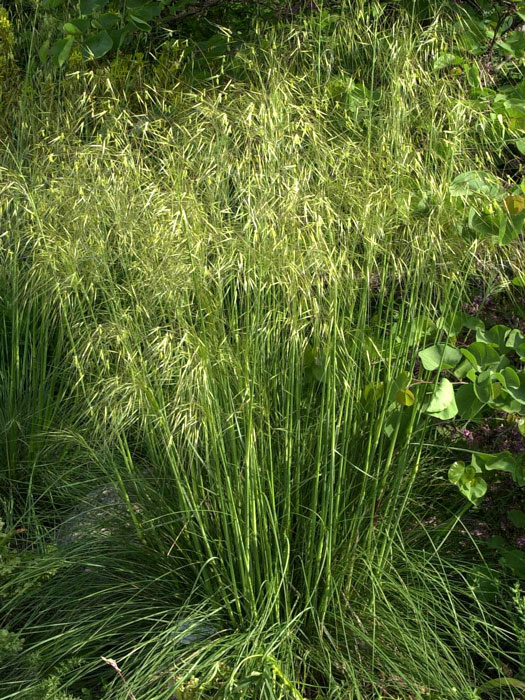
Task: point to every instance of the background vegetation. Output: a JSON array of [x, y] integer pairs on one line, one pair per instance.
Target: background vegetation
[[226, 242]]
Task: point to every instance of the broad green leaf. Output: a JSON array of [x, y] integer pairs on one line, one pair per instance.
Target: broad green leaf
[[505, 402], [444, 60], [495, 336], [435, 356], [496, 542], [475, 182], [516, 517], [462, 369], [514, 44], [515, 339], [514, 559], [511, 378], [61, 49], [76, 26], [518, 393], [473, 323], [520, 145], [518, 473], [483, 386], [521, 426], [146, 11], [404, 397], [503, 461], [99, 44], [473, 75], [467, 402], [508, 233], [43, 52], [513, 107], [514, 204], [481, 355], [447, 413], [140, 23], [318, 370], [443, 399], [456, 472], [119, 35], [452, 323], [371, 395], [473, 489], [107, 21], [397, 423], [486, 223], [503, 362], [87, 6], [309, 356], [399, 384]]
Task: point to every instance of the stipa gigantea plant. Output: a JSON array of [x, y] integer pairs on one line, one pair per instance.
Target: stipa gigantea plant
[[220, 323]]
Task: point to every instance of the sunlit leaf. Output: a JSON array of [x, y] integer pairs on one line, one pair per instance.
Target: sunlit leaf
[[441, 355], [475, 182]]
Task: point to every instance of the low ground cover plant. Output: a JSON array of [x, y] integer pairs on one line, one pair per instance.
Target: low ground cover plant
[[240, 353]]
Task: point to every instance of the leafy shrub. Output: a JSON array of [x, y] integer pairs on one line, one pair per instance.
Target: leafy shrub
[[9, 78]]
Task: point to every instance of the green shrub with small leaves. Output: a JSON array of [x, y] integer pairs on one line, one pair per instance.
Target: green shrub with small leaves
[[9, 76]]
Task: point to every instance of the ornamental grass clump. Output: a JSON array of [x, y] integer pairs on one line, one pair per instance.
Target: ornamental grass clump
[[215, 311]]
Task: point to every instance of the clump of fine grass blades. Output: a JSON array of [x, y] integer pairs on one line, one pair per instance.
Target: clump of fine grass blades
[[168, 266]]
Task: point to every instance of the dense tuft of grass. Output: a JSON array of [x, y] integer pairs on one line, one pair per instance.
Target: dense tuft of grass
[[198, 280]]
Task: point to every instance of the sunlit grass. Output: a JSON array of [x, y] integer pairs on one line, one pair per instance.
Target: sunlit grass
[[170, 256]]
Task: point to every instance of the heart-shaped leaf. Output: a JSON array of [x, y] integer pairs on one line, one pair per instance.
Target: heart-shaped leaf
[[514, 44], [495, 336], [371, 394], [517, 393], [475, 182], [76, 26], [473, 489], [514, 559], [404, 397], [486, 223], [99, 44], [468, 403], [456, 472], [511, 379], [87, 6], [435, 356], [516, 517], [496, 542], [61, 49], [514, 204], [107, 21], [443, 403], [481, 355], [444, 60], [503, 461], [483, 386], [43, 51], [505, 402], [515, 339]]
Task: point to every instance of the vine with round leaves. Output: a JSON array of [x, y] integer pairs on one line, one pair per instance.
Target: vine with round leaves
[[472, 381], [102, 26]]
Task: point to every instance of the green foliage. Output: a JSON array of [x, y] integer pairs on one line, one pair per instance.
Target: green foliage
[[214, 293], [487, 383], [102, 26]]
